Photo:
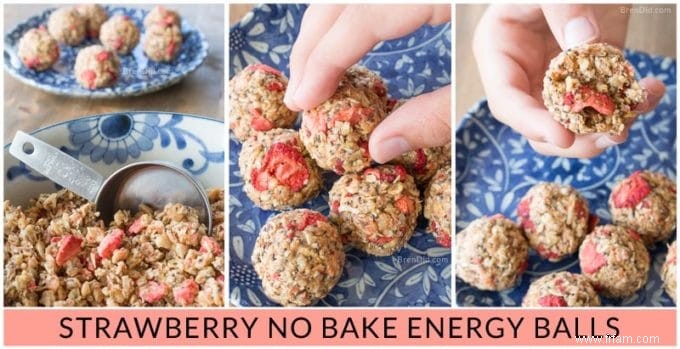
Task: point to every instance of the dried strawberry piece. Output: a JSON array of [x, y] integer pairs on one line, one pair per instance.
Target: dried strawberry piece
[[338, 167], [364, 147], [580, 208], [260, 179], [32, 62], [274, 86], [352, 114], [69, 247], [335, 206], [32, 286], [552, 301], [276, 276], [136, 227], [523, 267], [405, 204], [419, 166], [259, 123], [633, 234], [443, 240], [401, 172], [391, 103], [171, 48], [263, 67], [110, 243], [89, 76], [631, 191], [559, 283], [591, 260], [593, 220], [169, 20], [523, 215], [380, 240], [285, 163], [546, 253], [118, 43], [186, 292], [153, 291], [379, 89], [601, 102], [102, 56], [310, 218], [209, 244]]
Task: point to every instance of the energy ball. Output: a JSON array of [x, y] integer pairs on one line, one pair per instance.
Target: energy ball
[[161, 15], [94, 16], [299, 257], [66, 26], [96, 67], [668, 271], [162, 43], [554, 218], [592, 88], [376, 210], [336, 131], [119, 34], [491, 253], [38, 50], [438, 206], [277, 171], [256, 101], [614, 259], [561, 289], [645, 202], [367, 79]]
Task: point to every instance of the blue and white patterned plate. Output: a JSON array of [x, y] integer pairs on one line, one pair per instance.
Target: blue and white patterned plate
[[419, 274], [495, 167], [138, 74], [108, 142]]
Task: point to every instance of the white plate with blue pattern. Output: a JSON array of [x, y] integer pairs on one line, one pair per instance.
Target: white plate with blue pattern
[[108, 142], [495, 167], [417, 275], [138, 74]]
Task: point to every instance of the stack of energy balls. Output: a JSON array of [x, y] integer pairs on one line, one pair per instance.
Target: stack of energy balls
[[590, 88], [372, 208], [98, 65]]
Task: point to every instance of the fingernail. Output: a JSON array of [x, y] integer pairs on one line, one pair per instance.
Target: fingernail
[[577, 31], [390, 149], [604, 142], [288, 101]]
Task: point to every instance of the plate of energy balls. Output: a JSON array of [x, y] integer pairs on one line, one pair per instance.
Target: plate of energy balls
[[104, 51], [313, 221], [540, 231]]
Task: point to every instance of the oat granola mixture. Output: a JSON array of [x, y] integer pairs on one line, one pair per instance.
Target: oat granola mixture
[[119, 34], [554, 218], [37, 49], [669, 270], [161, 15], [94, 15], [299, 257], [592, 88], [162, 43], [66, 26], [561, 289], [96, 67], [491, 253], [377, 209], [59, 253], [614, 260], [277, 171], [645, 202], [256, 101], [438, 206], [336, 131]]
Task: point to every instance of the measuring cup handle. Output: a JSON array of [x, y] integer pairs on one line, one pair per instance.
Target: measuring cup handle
[[56, 165]]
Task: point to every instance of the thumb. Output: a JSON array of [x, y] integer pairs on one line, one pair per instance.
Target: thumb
[[422, 122], [571, 25]]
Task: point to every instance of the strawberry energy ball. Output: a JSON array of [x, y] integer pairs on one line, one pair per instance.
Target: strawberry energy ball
[[377, 209], [256, 101], [299, 257], [38, 50], [491, 253], [277, 171], [615, 261], [119, 34], [554, 218], [163, 16], [67, 26], [336, 131], [669, 270], [592, 88], [438, 206], [162, 43], [645, 202], [94, 15], [96, 67], [561, 289]]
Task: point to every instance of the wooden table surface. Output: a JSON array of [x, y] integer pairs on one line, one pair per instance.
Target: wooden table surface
[[654, 34], [202, 92]]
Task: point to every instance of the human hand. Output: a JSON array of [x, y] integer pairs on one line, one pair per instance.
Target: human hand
[[334, 37], [513, 46]]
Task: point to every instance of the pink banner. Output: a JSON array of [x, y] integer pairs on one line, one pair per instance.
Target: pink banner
[[607, 326]]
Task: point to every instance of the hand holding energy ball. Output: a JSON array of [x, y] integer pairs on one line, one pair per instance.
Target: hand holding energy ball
[[334, 37], [513, 46]]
